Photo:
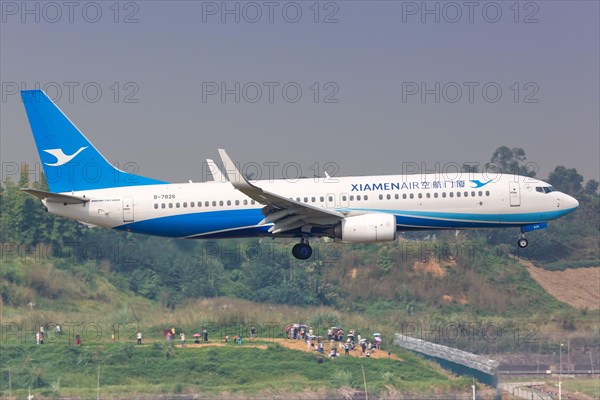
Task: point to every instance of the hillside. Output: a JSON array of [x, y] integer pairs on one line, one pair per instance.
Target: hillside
[[578, 287]]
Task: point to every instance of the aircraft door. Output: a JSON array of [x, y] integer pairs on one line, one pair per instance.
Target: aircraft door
[[127, 209], [515, 194]]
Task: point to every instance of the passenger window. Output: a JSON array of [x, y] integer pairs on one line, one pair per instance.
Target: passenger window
[[228, 202], [343, 198], [473, 193], [252, 202], [444, 194], [313, 199], [389, 196], [480, 193], [206, 204], [487, 192], [322, 199], [192, 204], [214, 203], [155, 205], [435, 195], [380, 197], [245, 202], [330, 198], [412, 196], [358, 197], [162, 205], [466, 194], [404, 196], [420, 195], [428, 195], [306, 199], [351, 198], [366, 197], [396, 196], [170, 205], [457, 194], [237, 202], [451, 194]]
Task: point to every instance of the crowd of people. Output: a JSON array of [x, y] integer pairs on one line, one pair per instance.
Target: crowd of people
[[337, 338]]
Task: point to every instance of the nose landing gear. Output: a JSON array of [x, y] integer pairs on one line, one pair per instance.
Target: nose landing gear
[[302, 250], [522, 242]]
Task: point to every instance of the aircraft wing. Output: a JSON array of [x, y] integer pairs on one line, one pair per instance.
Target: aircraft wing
[[285, 214], [56, 197]]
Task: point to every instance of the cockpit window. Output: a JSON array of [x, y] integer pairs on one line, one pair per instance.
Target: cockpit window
[[544, 189]]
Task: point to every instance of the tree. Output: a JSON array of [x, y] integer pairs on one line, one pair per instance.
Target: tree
[[510, 161], [470, 168], [566, 180], [591, 187]]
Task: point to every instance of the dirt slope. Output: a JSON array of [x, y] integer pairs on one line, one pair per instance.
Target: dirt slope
[[578, 287]]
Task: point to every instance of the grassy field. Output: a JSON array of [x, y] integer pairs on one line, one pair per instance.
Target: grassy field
[[126, 369], [591, 387]]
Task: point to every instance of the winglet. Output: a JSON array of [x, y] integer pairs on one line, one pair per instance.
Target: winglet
[[235, 176], [215, 172]]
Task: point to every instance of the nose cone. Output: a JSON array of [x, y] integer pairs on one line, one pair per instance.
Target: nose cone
[[570, 203]]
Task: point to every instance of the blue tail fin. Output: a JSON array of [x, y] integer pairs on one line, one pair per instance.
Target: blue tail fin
[[70, 161]]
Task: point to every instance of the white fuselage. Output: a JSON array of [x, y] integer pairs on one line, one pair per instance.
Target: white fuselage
[[217, 209]]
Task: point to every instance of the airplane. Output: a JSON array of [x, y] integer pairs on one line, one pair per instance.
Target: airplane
[[85, 187]]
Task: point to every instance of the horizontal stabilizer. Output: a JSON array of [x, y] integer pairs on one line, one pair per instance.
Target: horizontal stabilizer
[[56, 197]]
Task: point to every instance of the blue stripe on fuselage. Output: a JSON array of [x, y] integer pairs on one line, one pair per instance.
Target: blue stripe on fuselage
[[242, 223], [184, 225]]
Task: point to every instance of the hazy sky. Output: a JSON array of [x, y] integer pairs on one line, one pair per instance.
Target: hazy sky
[[371, 86]]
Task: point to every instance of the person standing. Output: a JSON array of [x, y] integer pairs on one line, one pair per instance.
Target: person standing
[[182, 336], [77, 339], [139, 337]]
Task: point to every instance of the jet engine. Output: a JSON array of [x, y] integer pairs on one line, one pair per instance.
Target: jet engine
[[367, 228]]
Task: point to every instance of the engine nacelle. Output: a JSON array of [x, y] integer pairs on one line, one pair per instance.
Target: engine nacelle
[[367, 228]]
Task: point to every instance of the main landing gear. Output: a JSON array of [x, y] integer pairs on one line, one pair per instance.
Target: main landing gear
[[522, 242], [302, 250]]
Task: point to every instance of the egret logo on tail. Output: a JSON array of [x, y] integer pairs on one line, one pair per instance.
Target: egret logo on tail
[[478, 183], [61, 157]]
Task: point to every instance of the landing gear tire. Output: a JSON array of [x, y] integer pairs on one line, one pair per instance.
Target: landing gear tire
[[522, 243], [302, 251]]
